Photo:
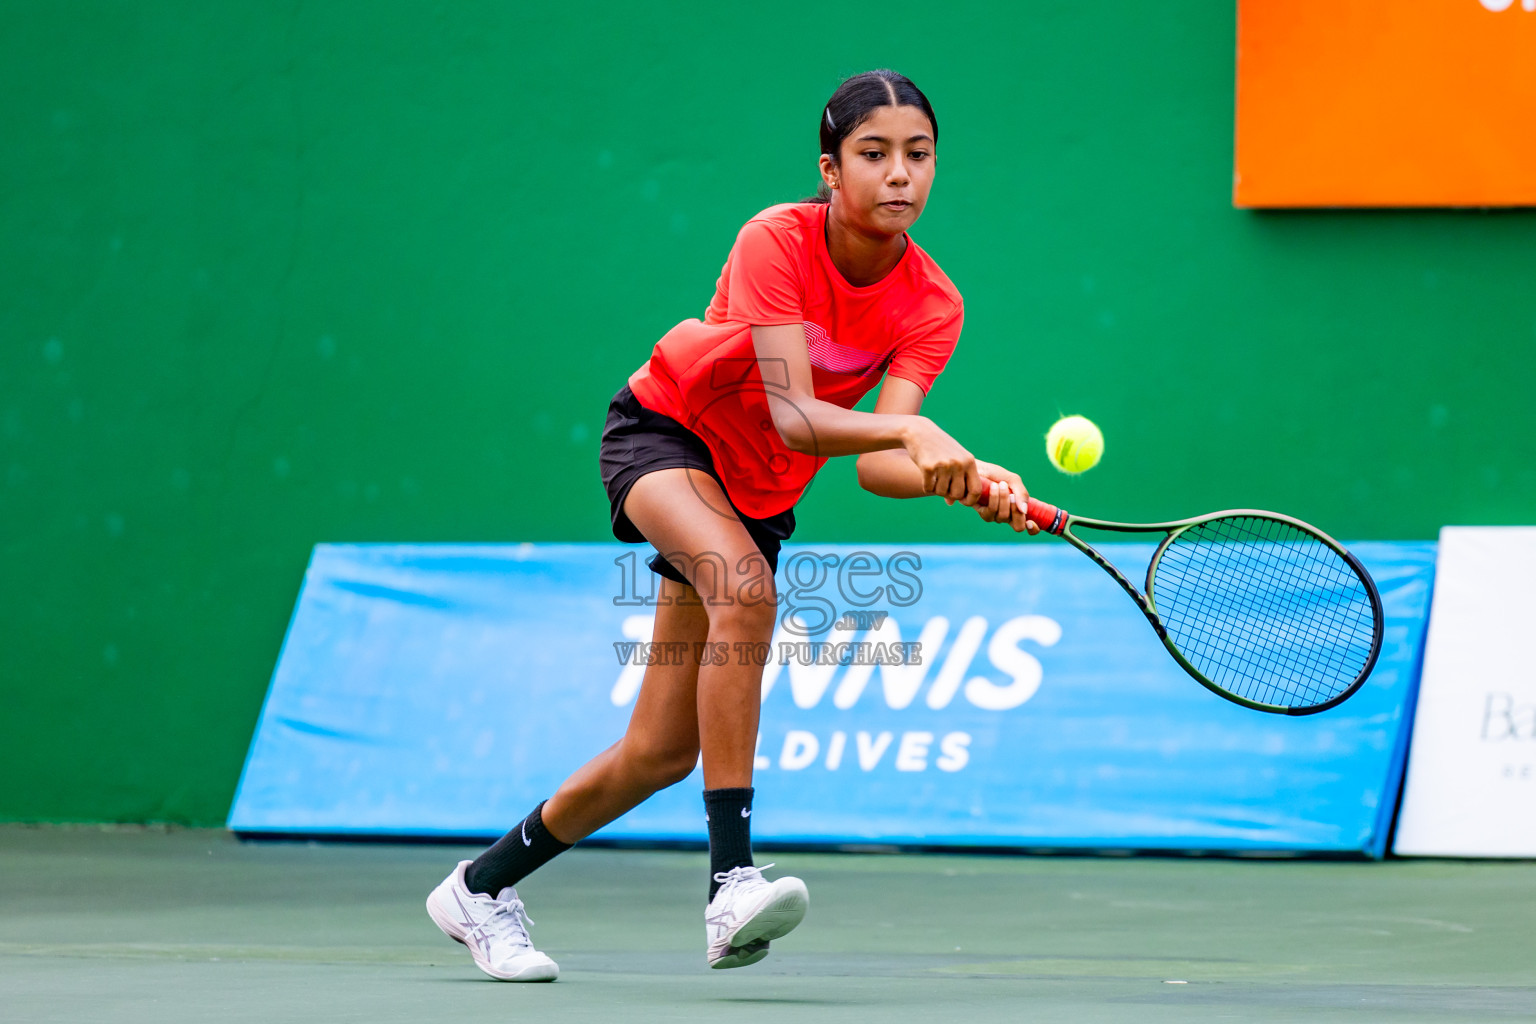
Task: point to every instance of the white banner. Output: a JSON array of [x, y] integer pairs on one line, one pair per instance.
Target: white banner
[[1471, 785]]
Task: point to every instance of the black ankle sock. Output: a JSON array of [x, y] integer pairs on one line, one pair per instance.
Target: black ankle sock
[[729, 813], [514, 856]]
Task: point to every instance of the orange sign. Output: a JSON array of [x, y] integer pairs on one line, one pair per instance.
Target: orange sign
[[1386, 103]]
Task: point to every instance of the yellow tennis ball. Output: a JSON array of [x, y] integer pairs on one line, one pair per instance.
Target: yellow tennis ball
[[1074, 445]]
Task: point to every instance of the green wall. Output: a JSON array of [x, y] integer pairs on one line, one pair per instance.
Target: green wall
[[370, 271]]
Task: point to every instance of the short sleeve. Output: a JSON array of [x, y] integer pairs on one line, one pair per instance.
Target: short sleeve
[[922, 359], [765, 285]]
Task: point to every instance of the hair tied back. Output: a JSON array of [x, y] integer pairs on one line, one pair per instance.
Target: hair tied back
[[860, 96], [856, 99]]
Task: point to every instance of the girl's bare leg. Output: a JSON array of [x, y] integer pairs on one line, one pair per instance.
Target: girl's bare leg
[[684, 708], [661, 746], [678, 512]]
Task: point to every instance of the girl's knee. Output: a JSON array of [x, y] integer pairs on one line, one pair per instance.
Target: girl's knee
[[743, 619], [676, 768], [662, 766]]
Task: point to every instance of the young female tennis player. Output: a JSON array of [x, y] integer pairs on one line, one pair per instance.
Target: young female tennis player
[[705, 453]]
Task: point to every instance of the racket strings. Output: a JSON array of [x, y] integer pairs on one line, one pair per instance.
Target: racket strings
[[1301, 646], [1265, 610], [1255, 669], [1285, 659]]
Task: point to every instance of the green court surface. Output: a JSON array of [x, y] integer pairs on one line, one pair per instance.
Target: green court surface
[[127, 925]]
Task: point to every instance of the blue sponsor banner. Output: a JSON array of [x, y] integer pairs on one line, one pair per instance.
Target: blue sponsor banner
[[986, 695]]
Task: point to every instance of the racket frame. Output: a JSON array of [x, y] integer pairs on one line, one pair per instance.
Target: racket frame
[[1060, 522]]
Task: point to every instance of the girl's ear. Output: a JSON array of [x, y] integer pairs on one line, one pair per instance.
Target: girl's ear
[[828, 171]]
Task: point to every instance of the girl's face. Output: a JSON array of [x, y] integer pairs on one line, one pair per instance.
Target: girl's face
[[881, 182]]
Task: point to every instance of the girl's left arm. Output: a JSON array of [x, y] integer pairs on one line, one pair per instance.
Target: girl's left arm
[[893, 474]]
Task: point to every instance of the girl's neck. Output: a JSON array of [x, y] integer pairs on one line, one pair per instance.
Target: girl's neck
[[862, 258]]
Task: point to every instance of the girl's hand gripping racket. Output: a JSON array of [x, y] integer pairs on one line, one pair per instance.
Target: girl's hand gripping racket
[[1260, 608]]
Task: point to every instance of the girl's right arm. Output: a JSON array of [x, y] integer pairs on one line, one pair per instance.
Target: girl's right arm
[[892, 474], [809, 425]]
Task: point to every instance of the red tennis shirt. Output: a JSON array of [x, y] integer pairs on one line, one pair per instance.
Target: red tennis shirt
[[705, 373]]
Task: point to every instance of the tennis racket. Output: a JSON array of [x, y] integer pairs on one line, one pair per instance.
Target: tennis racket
[[1260, 608]]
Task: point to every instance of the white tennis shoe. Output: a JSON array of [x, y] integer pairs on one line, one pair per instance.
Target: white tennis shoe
[[748, 911], [495, 931]]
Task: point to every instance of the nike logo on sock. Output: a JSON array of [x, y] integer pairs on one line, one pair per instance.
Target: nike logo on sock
[[526, 840], [746, 812]]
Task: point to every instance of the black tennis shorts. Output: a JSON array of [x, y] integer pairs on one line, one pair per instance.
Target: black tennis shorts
[[637, 441]]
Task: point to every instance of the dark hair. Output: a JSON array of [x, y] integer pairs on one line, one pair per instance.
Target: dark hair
[[852, 104]]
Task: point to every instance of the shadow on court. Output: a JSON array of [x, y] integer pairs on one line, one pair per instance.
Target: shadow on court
[[144, 925]]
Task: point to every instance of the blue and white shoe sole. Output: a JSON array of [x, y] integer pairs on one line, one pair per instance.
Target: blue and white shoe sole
[[779, 915], [742, 956]]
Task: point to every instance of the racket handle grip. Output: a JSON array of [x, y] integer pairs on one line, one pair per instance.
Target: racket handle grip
[[1048, 517]]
